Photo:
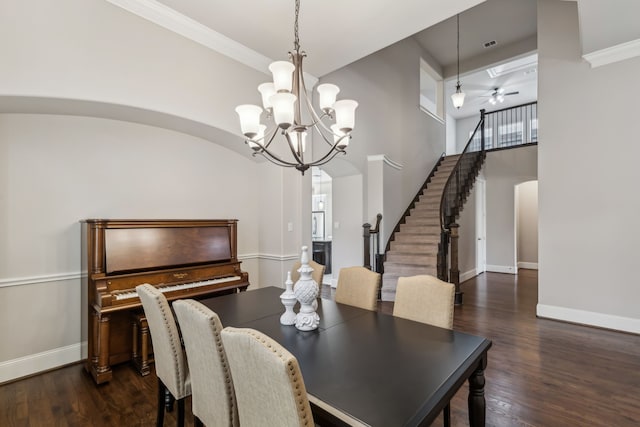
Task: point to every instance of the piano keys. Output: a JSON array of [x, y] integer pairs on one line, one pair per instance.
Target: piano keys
[[182, 258]]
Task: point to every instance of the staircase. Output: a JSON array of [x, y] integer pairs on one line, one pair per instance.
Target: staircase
[[414, 249]]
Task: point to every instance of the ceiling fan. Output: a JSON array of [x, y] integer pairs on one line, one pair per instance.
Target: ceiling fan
[[498, 95]]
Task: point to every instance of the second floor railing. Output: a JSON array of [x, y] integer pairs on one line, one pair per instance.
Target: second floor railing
[[509, 127]]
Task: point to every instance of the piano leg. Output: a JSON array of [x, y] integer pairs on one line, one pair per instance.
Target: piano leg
[[100, 368], [140, 353]]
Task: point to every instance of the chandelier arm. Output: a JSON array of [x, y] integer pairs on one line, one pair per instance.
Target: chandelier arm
[[264, 152], [327, 158], [331, 153], [273, 135], [298, 157], [318, 122], [276, 160]]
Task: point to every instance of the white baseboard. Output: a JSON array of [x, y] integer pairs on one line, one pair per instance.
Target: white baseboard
[[502, 269], [528, 265], [601, 320], [468, 275], [34, 363]]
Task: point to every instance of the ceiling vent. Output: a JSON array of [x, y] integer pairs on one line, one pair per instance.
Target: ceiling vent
[[489, 44]]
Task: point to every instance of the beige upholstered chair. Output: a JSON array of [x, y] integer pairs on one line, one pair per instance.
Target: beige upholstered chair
[[425, 299], [317, 275], [358, 286], [170, 360], [269, 386], [212, 394], [429, 300]]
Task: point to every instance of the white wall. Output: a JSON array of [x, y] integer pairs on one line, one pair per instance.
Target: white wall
[[527, 224], [94, 51], [389, 122], [588, 179], [504, 169], [463, 128], [58, 170], [347, 214]]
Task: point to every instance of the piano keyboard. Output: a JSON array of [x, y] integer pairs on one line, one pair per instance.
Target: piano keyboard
[[169, 288]]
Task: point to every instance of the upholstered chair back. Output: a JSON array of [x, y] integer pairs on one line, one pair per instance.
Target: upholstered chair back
[[317, 274], [170, 362], [425, 299], [269, 386], [358, 286], [213, 398]]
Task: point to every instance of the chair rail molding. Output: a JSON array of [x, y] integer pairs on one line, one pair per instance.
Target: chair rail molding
[[32, 280], [385, 159]]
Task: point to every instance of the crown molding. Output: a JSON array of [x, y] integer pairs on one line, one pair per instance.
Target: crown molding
[[170, 19], [612, 54]]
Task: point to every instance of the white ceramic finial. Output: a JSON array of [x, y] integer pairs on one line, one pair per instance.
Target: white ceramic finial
[[306, 291], [288, 299]]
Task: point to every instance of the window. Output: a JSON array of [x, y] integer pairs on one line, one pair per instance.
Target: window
[[431, 91]]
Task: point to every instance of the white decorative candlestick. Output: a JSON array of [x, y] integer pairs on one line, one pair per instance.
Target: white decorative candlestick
[[288, 299], [306, 291]]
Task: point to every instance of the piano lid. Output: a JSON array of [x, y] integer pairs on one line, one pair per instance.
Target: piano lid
[[150, 248]]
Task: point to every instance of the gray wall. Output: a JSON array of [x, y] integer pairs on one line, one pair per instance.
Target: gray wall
[[390, 123], [503, 171], [588, 179], [527, 224]]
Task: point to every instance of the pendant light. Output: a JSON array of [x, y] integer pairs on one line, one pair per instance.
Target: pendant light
[[458, 97]]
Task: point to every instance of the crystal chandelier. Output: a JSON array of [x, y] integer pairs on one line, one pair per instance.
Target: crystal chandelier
[[458, 97], [282, 100]]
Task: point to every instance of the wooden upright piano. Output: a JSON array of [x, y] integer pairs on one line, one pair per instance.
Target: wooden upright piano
[[182, 258]]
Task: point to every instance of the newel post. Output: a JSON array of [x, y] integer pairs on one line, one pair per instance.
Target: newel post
[[454, 271], [367, 245]]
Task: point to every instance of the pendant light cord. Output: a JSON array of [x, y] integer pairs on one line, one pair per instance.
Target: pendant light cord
[[457, 46]]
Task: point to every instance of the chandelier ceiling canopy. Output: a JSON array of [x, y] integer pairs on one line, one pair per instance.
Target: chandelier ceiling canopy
[[284, 100]]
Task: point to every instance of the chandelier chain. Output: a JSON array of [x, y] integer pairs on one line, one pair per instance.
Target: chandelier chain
[[296, 42]]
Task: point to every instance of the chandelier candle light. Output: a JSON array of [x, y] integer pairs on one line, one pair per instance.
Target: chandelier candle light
[[282, 100]]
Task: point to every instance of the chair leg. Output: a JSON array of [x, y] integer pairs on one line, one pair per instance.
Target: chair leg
[[161, 399], [447, 415], [181, 412], [168, 400]]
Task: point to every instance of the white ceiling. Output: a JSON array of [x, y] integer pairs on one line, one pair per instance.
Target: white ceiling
[[335, 33]]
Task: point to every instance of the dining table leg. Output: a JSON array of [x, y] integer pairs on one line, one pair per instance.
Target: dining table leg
[[477, 404]]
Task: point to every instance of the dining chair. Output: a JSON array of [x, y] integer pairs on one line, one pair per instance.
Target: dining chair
[[426, 299], [213, 399], [269, 386], [174, 382], [358, 286], [317, 274]]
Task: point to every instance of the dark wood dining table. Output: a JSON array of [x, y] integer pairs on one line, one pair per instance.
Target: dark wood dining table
[[367, 368]]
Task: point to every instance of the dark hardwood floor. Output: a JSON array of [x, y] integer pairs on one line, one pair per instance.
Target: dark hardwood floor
[[540, 372]]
